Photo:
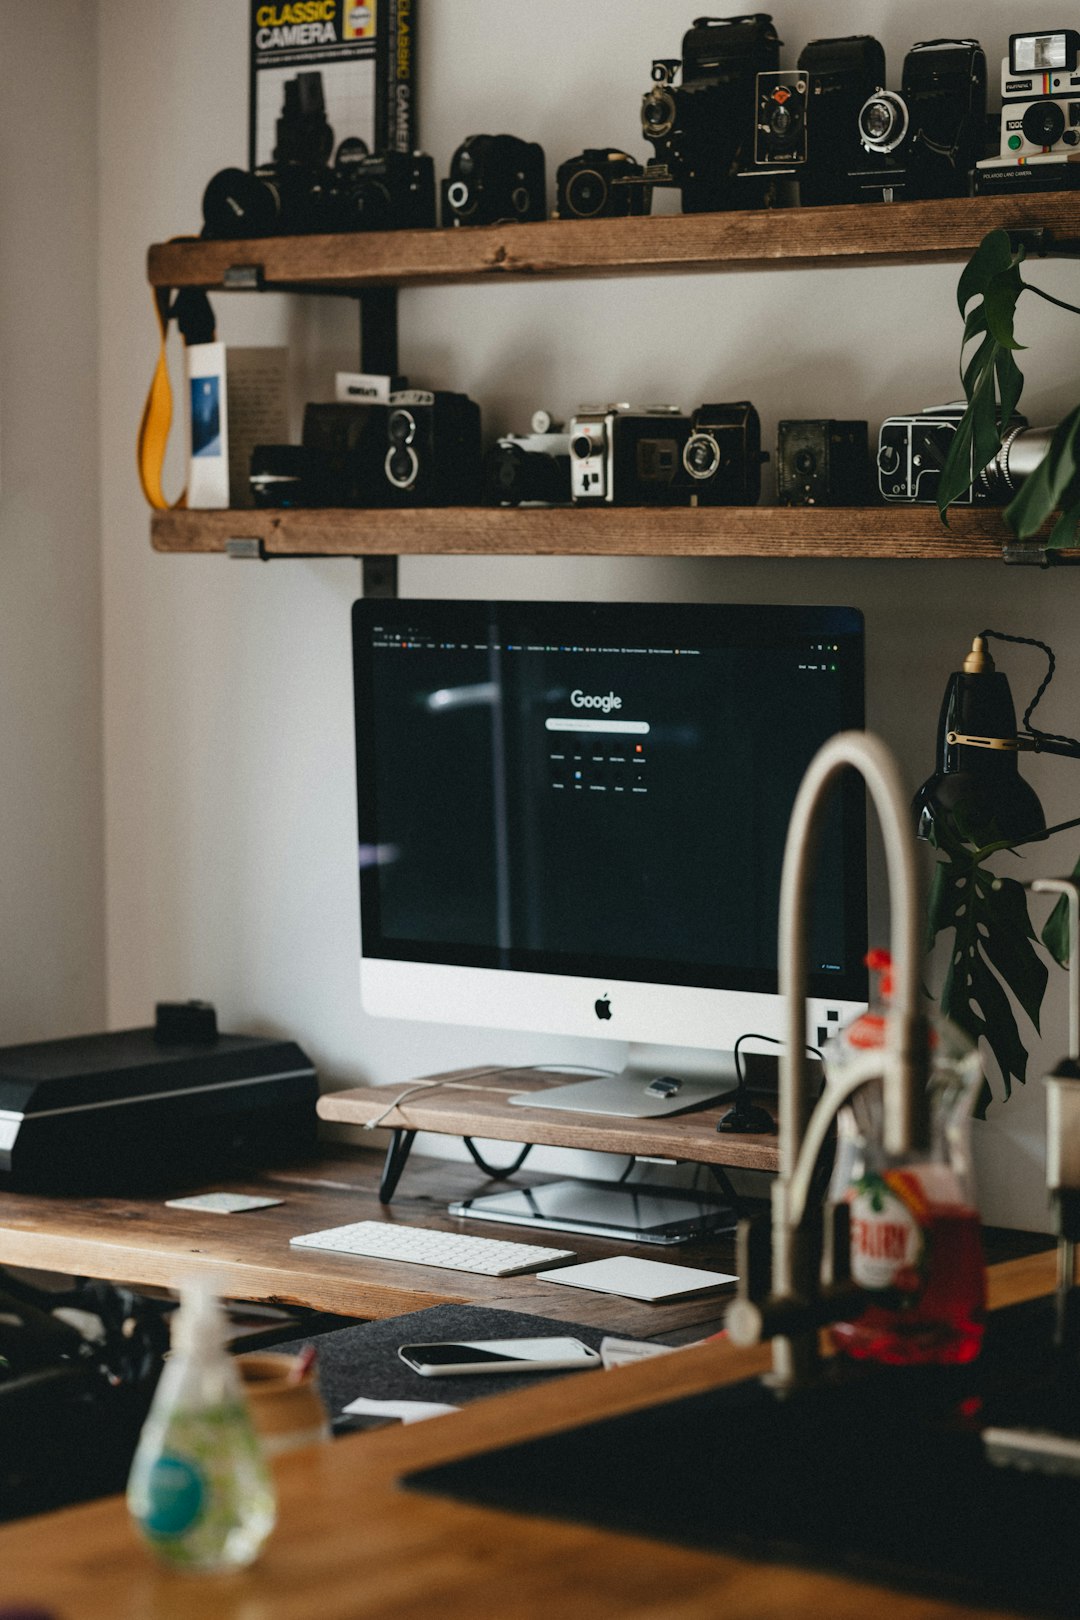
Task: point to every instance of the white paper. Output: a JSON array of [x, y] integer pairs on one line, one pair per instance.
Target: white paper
[[407, 1411], [619, 1352]]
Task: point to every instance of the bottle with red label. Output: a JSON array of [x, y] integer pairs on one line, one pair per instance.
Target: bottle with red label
[[916, 1248]]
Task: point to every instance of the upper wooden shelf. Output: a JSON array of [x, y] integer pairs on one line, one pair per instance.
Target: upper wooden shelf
[[671, 531], [865, 233]]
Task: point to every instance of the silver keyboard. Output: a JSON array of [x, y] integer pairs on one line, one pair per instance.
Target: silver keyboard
[[454, 1251]]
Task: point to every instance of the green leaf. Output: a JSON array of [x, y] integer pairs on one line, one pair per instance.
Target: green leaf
[[1063, 536], [999, 302], [1008, 946], [1001, 1033], [1043, 490], [1010, 385], [1055, 934], [993, 255]]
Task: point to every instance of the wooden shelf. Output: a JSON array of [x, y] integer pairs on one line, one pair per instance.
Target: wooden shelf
[[481, 1110], [906, 532], [866, 233]]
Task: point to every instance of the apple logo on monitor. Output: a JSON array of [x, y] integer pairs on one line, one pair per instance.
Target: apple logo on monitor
[[602, 1007]]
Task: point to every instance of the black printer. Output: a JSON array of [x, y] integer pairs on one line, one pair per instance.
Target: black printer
[[141, 1109]]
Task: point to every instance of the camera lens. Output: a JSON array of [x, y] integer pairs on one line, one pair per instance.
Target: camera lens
[[1043, 123], [883, 122], [805, 462], [780, 121], [701, 457], [586, 193], [658, 113], [888, 459], [582, 447], [401, 428], [237, 203], [402, 466], [457, 195], [520, 199]]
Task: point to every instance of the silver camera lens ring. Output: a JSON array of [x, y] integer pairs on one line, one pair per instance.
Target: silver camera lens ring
[[706, 440], [894, 122], [577, 182], [401, 415], [414, 466], [521, 199], [654, 127], [457, 194]]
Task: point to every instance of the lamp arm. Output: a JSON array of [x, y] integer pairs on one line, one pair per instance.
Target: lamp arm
[[987, 850]]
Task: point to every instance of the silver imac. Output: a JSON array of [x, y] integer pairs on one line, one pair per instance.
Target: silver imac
[[572, 818]]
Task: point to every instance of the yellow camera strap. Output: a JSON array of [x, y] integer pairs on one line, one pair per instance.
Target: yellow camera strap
[[190, 308]]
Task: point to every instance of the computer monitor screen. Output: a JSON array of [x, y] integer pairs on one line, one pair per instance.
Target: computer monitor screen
[[572, 815]]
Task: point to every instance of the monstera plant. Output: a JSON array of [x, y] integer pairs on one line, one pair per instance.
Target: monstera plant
[[994, 947]]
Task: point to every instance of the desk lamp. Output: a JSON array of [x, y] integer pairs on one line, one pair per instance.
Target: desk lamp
[[977, 791]]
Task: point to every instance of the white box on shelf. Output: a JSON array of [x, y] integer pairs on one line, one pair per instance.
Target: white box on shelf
[[236, 400]]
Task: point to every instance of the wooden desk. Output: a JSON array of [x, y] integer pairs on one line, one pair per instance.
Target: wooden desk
[[350, 1544], [140, 1241]]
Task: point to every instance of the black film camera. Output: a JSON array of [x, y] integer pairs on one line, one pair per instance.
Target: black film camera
[[912, 451], [601, 183], [287, 475], [935, 128], [623, 457], [533, 467], [431, 449], [378, 191], [278, 198], [494, 178], [1039, 131], [807, 118], [703, 128], [822, 463], [348, 443], [722, 457]]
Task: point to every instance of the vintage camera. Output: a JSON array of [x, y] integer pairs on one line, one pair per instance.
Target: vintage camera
[[494, 178], [431, 449], [377, 191], [703, 128], [934, 128], [529, 469], [601, 183], [912, 452], [623, 457], [348, 444], [822, 463], [807, 120], [1040, 116], [282, 197], [722, 457]]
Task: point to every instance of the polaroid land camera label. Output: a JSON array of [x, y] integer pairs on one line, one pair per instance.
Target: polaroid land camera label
[[365, 54], [364, 388]]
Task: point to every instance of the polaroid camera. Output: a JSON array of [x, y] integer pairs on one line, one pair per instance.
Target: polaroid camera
[[1040, 117]]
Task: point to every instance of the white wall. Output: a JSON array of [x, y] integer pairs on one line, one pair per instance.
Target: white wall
[[52, 969], [229, 774]]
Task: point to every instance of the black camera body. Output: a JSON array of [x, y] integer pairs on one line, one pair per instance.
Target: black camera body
[[347, 444], [935, 128], [912, 451], [531, 468], [282, 197], [722, 456], [839, 74], [289, 475], [822, 463], [431, 449], [493, 179], [702, 129], [623, 457], [601, 183], [379, 191]]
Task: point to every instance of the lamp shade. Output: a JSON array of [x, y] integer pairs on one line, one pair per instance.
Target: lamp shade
[[977, 795]]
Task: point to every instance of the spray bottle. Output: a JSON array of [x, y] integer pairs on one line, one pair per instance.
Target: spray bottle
[[199, 1488]]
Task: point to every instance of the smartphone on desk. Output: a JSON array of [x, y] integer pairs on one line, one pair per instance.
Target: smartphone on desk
[[497, 1356]]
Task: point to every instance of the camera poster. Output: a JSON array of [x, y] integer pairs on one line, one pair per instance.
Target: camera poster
[[365, 56]]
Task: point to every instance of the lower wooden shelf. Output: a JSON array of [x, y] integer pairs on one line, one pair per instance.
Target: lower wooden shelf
[[479, 1108], [899, 532]]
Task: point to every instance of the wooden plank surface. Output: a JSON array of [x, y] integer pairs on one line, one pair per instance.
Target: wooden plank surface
[[140, 1241], [480, 1108], [904, 233], [350, 1544], [904, 532]]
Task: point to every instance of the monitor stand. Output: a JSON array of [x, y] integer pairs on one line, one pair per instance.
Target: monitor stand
[[657, 1081]]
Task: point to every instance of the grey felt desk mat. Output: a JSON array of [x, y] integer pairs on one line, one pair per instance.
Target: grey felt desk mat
[[363, 1360]]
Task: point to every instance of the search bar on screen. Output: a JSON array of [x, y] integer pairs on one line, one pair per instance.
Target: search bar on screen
[[627, 728]]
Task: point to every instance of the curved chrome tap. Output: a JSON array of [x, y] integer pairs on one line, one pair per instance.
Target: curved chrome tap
[[795, 1306]]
